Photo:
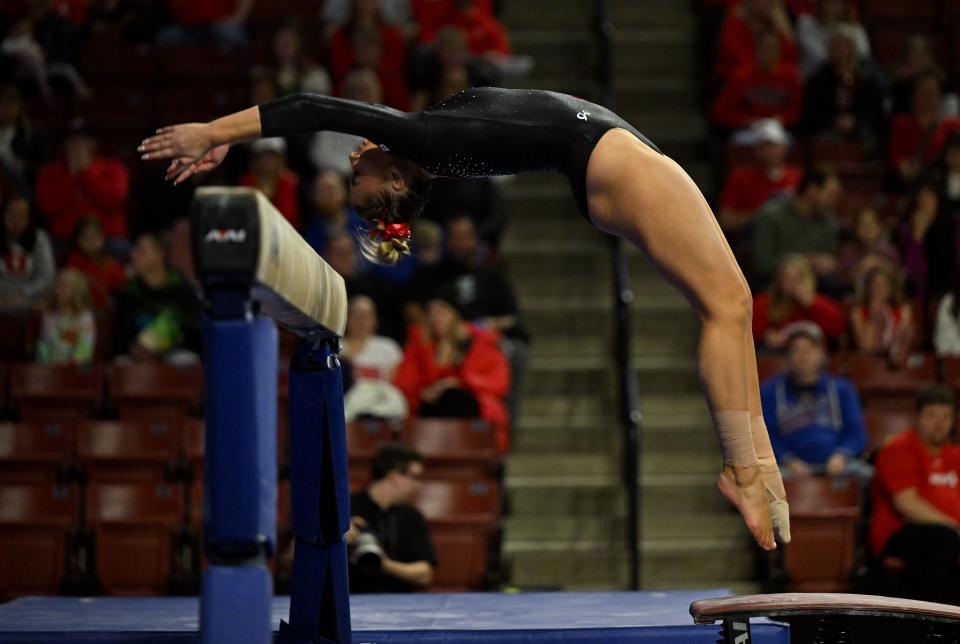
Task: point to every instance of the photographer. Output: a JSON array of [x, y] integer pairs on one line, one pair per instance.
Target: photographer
[[389, 542]]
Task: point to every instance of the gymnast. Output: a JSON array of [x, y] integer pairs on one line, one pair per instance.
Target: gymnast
[[621, 182]]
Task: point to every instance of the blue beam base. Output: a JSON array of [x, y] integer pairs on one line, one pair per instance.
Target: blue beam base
[[319, 495], [235, 605]]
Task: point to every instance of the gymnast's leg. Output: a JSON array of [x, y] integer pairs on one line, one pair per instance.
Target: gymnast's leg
[[646, 198]]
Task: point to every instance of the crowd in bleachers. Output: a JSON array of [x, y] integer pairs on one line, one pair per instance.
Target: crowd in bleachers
[[837, 138], [100, 312]]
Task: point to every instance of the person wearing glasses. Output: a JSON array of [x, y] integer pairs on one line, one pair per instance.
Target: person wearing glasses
[[389, 542]]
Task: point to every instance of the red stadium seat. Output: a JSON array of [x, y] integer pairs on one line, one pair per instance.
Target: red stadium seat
[[127, 451], [14, 338], [133, 527], [152, 390], [464, 521], [192, 434], [36, 452], [951, 371], [363, 438], [34, 521], [823, 517], [56, 391], [769, 365], [454, 448], [883, 387], [884, 424]]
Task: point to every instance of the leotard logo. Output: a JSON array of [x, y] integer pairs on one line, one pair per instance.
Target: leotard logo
[[583, 114]]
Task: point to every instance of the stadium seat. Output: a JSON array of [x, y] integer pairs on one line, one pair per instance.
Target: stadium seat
[[133, 528], [884, 424], [127, 451], [883, 387], [152, 390], [34, 525], [191, 446], [13, 337], [464, 518], [205, 63], [769, 366], [454, 448], [36, 452], [823, 519], [56, 391], [4, 386], [951, 371], [106, 63], [363, 438]]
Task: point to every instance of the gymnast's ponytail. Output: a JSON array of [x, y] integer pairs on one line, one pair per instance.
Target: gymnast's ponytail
[[390, 214]]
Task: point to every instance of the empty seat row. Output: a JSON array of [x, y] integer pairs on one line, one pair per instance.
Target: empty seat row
[[136, 390], [136, 537]]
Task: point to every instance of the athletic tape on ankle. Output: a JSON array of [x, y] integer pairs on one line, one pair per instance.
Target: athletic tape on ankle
[[773, 484], [736, 441]]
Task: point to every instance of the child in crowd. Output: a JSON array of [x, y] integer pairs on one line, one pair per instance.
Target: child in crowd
[[26, 258], [104, 273], [882, 322], [68, 331]]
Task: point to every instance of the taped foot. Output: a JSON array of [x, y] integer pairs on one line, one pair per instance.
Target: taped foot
[[776, 496], [744, 488]]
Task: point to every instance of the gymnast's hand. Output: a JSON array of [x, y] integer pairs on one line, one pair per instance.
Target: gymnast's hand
[[189, 145]]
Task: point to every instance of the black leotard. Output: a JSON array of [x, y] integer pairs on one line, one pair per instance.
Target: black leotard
[[478, 132]]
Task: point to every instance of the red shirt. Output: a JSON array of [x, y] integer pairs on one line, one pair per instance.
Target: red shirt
[[190, 13], [484, 33], [484, 372], [826, 313], [907, 463], [907, 137], [100, 190], [737, 46], [390, 68], [106, 275], [753, 94], [432, 14], [749, 187], [285, 195]]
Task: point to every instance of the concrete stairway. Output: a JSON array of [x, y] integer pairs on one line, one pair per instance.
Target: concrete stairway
[[566, 508]]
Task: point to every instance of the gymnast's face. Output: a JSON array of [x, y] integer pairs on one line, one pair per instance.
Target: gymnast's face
[[373, 172]]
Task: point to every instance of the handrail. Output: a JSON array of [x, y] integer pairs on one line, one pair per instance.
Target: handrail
[[628, 408]]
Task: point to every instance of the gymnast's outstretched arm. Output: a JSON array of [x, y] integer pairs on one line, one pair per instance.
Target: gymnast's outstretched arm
[[198, 147]]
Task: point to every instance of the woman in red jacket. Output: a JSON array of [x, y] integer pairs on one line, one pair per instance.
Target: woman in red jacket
[[452, 369]]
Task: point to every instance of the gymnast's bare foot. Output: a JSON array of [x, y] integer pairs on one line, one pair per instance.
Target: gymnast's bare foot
[[743, 487]]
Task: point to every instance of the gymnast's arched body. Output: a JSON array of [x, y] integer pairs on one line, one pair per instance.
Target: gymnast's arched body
[[621, 182]]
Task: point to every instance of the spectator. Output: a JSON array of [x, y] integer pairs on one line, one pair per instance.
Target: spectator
[[367, 42], [394, 12], [749, 187], [452, 369], [843, 98], [868, 246], [68, 331], [269, 173], [793, 297], [293, 70], [917, 138], [105, 275], [918, 60], [445, 68], [882, 322], [343, 257], [927, 237], [82, 184], [769, 89], [916, 498], [26, 264], [950, 176], [804, 223], [389, 542], [201, 21], [813, 34], [485, 35], [428, 240], [157, 311], [744, 24], [331, 150], [31, 65], [22, 146], [814, 418], [484, 296], [374, 359], [332, 212], [946, 333]]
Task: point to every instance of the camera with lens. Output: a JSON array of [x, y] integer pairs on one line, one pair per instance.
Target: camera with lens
[[366, 553]]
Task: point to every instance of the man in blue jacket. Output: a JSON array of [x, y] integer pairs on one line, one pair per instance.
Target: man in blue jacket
[[814, 418]]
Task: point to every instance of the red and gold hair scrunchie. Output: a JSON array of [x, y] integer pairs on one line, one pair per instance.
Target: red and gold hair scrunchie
[[386, 232]]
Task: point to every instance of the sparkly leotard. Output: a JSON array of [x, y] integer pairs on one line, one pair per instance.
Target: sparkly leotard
[[478, 132]]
